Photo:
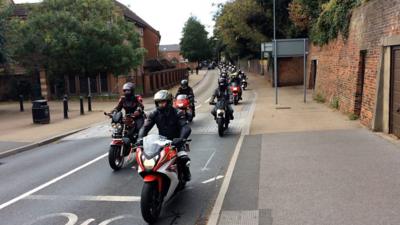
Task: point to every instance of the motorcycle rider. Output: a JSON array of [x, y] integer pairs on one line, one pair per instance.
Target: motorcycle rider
[[172, 124], [185, 89], [132, 104], [236, 79], [222, 92]]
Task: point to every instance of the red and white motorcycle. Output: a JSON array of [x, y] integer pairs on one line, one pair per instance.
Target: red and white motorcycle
[[158, 167]]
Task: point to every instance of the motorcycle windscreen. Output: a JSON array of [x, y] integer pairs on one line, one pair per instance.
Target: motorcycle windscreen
[[181, 97], [116, 117], [153, 144]]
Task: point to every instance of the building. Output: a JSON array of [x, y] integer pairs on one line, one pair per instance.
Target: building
[[362, 72], [100, 84], [172, 53]]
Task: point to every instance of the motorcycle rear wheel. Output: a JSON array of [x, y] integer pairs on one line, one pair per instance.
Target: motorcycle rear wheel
[[115, 159], [150, 202]]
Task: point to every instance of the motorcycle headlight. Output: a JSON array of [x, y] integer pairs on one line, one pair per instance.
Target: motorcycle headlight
[[149, 164], [113, 125]]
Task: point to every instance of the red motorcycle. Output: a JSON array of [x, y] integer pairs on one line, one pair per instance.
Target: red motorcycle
[[236, 90], [157, 160], [183, 102], [121, 149]]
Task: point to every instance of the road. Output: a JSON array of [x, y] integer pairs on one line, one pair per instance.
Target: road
[[70, 181]]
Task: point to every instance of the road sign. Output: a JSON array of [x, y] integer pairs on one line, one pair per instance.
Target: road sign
[[266, 47]]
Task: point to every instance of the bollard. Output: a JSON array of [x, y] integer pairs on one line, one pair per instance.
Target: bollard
[[81, 101], [21, 103], [66, 97], [65, 102], [89, 103]]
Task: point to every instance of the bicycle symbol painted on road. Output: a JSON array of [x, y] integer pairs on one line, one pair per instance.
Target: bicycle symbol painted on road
[[73, 219]]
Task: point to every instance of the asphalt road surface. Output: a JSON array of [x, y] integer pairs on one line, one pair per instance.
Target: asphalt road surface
[[70, 182]]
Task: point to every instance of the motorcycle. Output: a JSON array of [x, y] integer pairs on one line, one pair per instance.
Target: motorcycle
[[222, 118], [157, 160], [186, 103], [121, 149], [243, 82], [235, 89]]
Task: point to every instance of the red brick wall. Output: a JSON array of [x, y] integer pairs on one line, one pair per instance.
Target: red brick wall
[[151, 42], [291, 71], [338, 62]]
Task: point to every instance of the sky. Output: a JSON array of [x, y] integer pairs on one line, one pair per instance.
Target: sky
[[169, 16]]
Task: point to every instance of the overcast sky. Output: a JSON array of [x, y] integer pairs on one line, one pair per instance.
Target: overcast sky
[[169, 16]]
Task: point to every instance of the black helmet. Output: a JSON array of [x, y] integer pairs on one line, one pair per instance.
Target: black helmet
[[184, 84], [222, 82], [129, 89], [161, 96]]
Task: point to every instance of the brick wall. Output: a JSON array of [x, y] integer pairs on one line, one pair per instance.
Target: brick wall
[[151, 41], [339, 61]]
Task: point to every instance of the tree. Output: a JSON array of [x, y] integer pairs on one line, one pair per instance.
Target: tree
[[194, 43], [84, 37], [243, 24], [5, 10]]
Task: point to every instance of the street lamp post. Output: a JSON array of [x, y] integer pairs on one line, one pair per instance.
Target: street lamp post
[[275, 59]]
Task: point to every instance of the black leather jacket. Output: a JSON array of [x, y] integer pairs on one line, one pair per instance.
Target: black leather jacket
[[188, 91], [171, 123], [130, 105], [219, 94]]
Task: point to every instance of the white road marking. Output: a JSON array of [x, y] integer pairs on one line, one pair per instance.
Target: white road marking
[[198, 106], [101, 198], [72, 218], [87, 222], [215, 213], [26, 194], [105, 222], [208, 162], [213, 179], [208, 99]]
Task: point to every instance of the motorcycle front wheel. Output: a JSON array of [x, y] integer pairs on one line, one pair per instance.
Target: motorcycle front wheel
[[150, 202], [115, 159], [220, 122]]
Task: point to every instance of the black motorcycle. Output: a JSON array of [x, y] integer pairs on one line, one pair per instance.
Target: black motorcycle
[[222, 116], [121, 145]]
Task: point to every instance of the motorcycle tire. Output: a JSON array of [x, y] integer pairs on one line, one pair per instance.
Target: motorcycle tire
[[236, 101], [220, 127], [115, 159], [150, 202], [226, 124], [190, 119]]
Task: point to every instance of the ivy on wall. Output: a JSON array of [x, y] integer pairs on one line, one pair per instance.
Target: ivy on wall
[[323, 19]]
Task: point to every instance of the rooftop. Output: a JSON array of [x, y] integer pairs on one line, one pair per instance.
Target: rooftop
[[170, 48]]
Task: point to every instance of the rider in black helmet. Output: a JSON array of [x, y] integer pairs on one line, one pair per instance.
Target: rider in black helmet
[[222, 92], [133, 105], [185, 89], [172, 124]]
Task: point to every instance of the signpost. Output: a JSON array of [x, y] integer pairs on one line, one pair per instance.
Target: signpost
[[286, 48]]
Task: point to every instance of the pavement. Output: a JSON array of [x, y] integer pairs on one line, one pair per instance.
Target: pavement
[[307, 164], [18, 132]]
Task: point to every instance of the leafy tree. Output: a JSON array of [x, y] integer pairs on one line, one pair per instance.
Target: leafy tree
[[194, 43], [5, 10], [243, 24], [323, 20], [77, 37]]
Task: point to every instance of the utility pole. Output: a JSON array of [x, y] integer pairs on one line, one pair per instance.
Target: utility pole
[[275, 60]]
